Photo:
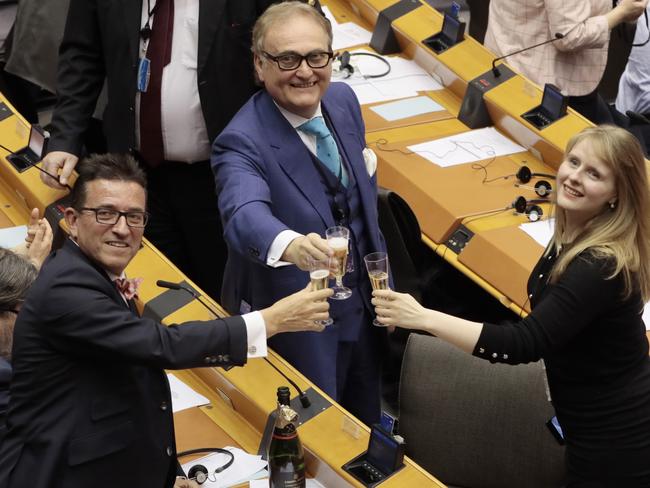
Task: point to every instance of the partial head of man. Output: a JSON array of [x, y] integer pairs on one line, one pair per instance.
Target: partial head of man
[[107, 214], [292, 47], [16, 276]]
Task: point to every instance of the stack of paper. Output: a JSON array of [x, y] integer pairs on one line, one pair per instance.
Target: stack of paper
[[466, 147], [541, 231], [347, 34], [245, 467], [405, 79], [183, 396]]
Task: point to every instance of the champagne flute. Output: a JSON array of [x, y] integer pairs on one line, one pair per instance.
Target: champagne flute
[[319, 276], [338, 238], [377, 266]]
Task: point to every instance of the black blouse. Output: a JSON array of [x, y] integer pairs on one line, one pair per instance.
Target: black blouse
[[594, 346]]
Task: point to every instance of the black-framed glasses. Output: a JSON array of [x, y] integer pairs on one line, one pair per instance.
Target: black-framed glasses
[[109, 216], [292, 60]]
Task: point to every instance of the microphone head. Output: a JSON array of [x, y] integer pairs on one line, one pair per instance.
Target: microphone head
[[559, 35], [168, 284]]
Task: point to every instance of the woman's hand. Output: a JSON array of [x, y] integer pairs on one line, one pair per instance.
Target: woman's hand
[[399, 309]]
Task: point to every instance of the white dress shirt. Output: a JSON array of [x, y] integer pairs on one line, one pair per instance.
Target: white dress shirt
[[284, 238], [184, 133]]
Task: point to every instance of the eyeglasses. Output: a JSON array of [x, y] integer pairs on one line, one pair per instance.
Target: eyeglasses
[[108, 216], [291, 60]]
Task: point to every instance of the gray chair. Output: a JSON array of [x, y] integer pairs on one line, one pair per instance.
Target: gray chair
[[474, 424]]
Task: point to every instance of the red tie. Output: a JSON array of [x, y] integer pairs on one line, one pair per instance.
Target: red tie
[[159, 53]]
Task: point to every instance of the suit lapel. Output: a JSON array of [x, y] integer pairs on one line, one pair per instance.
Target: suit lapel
[[132, 10], [294, 158], [349, 145], [211, 14]]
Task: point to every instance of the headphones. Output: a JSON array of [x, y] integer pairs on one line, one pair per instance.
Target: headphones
[[198, 472], [345, 66], [529, 207], [543, 188]]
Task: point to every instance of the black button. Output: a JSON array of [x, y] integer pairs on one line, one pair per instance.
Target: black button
[[169, 451], [164, 406]]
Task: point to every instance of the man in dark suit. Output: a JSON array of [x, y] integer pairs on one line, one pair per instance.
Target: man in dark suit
[[90, 403], [277, 198], [200, 69]]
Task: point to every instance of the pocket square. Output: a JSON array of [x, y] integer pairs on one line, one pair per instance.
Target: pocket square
[[370, 159]]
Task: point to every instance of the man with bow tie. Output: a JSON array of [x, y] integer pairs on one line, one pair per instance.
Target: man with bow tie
[[292, 163], [90, 402]]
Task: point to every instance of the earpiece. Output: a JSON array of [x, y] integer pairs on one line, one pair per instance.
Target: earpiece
[[345, 66], [529, 207], [524, 175], [543, 188], [200, 473]]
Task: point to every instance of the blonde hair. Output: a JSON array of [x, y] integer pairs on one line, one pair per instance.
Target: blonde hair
[[621, 234], [279, 13]]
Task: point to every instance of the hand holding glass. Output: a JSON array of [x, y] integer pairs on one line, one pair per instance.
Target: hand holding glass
[[338, 238], [377, 266], [319, 276]]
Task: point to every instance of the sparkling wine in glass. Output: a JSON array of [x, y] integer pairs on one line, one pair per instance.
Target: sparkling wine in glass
[[319, 276], [338, 239], [377, 266]]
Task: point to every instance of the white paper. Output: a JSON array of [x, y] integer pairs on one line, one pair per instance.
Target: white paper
[[349, 34], [541, 231], [183, 396], [467, 147], [244, 467], [311, 483], [405, 79], [12, 236], [407, 107], [329, 16]]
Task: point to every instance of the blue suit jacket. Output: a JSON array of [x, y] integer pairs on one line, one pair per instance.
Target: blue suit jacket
[[267, 183]]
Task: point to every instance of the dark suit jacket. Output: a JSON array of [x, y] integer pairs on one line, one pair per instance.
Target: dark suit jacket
[[90, 403], [102, 40], [5, 379], [266, 184]]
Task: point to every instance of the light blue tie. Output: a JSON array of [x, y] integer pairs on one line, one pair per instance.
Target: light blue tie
[[326, 149]]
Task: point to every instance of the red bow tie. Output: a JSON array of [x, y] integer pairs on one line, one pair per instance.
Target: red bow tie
[[128, 287]]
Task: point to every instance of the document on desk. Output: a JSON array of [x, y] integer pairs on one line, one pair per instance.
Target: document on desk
[[467, 147], [407, 107], [347, 34], [183, 396], [12, 236], [541, 231], [405, 79], [244, 468]]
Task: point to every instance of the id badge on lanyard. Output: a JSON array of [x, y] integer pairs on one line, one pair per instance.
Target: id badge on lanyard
[[144, 72]]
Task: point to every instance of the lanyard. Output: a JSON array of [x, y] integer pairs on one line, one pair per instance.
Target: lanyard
[[145, 32]]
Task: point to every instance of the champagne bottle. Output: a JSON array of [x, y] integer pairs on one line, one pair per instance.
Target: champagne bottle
[[286, 457]]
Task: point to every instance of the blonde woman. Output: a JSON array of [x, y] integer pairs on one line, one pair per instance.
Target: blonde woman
[[587, 293]]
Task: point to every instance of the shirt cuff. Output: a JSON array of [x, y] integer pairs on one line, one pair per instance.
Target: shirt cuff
[[278, 246], [255, 335]]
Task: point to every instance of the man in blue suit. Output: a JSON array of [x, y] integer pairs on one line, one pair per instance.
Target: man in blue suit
[[278, 193]]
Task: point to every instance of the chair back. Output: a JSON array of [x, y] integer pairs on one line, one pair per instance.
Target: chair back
[[474, 424]]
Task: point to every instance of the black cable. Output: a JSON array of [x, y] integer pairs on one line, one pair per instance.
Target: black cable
[[54, 177], [344, 60], [304, 399], [457, 145]]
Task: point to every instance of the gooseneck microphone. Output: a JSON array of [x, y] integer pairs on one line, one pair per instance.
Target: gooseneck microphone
[[304, 399], [495, 70]]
